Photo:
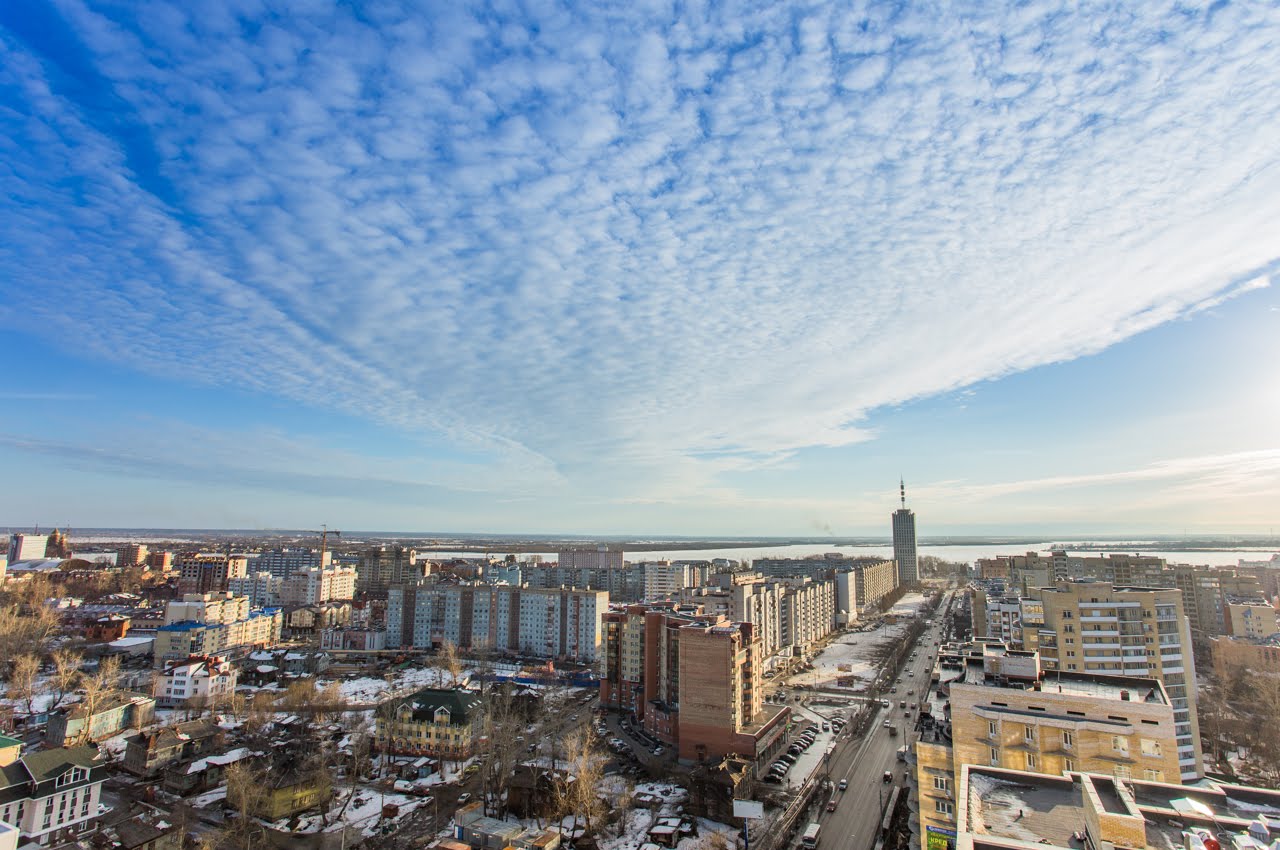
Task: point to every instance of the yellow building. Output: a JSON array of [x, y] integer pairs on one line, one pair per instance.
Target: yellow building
[[1006, 712], [438, 722], [1094, 627]]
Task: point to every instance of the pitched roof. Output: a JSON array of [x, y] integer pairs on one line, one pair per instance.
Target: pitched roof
[[459, 703], [46, 764]]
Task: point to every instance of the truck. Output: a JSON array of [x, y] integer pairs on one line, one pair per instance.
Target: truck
[[810, 837], [893, 731]]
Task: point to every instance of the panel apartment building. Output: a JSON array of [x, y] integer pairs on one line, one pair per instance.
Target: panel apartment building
[[214, 624], [1094, 627], [206, 572], [560, 623], [998, 707], [692, 681]]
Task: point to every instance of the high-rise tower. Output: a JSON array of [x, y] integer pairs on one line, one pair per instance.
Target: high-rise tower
[[904, 539]]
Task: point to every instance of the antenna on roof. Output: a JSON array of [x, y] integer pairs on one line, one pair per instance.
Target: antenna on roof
[[902, 492]]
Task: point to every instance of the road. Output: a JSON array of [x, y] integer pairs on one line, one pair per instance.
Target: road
[[855, 822]]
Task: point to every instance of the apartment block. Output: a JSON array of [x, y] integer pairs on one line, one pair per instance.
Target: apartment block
[[663, 579], [283, 563], [624, 583], [1253, 618], [996, 706], [1094, 627], [132, 555], [203, 572], [318, 585], [1256, 655], [997, 809], [692, 681], [262, 589], [595, 558], [382, 567], [214, 624], [200, 681], [544, 623], [415, 615]]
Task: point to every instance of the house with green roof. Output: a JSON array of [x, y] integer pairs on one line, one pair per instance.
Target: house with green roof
[[439, 722], [50, 795]]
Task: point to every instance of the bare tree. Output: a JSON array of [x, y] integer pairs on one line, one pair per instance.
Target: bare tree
[[25, 628], [450, 663], [66, 674], [24, 681], [98, 688]]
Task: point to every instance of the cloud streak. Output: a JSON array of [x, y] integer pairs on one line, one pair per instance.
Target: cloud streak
[[608, 242]]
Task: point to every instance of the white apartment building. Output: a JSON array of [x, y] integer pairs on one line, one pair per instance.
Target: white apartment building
[[207, 608], [542, 622], [663, 579], [315, 586], [197, 682], [262, 589], [48, 796], [283, 563]]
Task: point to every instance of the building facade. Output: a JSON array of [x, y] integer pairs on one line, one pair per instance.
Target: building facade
[[439, 722], [1094, 627], [904, 541]]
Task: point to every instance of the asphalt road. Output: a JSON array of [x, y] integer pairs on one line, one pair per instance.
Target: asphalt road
[[855, 823]]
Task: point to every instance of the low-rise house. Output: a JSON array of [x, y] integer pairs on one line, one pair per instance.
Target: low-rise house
[[440, 722], [198, 682], [477, 830], [108, 628], [288, 788], [148, 753], [140, 827], [50, 795], [202, 774], [113, 715]]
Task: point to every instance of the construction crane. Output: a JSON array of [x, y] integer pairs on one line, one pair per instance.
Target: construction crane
[[324, 531]]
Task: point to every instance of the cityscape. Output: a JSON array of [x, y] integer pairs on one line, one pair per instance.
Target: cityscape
[[341, 692], [659, 425]]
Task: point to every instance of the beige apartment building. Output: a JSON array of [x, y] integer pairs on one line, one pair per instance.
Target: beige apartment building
[[1006, 711], [1095, 627]]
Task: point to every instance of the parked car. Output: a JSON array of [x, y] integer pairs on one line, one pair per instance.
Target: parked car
[[463, 797], [831, 806], [657, 751], [888, 776], [844, 783]]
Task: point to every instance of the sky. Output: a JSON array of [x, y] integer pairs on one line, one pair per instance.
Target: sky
[[641, 267]]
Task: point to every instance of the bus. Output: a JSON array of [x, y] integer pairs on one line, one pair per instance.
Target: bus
[[810, 837]]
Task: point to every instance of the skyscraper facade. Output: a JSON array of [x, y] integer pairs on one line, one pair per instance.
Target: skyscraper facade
[[904, 540]]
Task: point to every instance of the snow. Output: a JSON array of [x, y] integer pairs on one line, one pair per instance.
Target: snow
[[363, 812], [855, 654], [370, 690]]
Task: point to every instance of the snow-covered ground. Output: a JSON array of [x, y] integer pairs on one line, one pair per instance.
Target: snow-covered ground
[[370, 690], [854, 655], [364, 812]]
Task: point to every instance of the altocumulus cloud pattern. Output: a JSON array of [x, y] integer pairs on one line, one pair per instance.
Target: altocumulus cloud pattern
[[667, 234]]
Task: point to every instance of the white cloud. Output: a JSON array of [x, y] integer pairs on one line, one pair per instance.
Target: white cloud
[[628, 246]]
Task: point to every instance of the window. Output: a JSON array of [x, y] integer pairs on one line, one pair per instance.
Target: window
[[995, 757], [941, 783], [992, 729], [1068, 740], [1029, 734], [1120, 744], [942, 807], [1068, 764], [1153, 775], [1122, 771], [1150, 747], [1033, 762]]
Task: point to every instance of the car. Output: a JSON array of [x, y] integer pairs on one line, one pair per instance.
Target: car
[[911, 672], [844, 783], [772, 777], [888, 776], [573, 718], [888, 724], [463, 797], [884, 703], [470, 769], [831, 806], [826, 727], [893, 690], [657, 751], [910, 692]]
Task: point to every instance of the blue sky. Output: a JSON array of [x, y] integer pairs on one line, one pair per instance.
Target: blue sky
[[640, 267]]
